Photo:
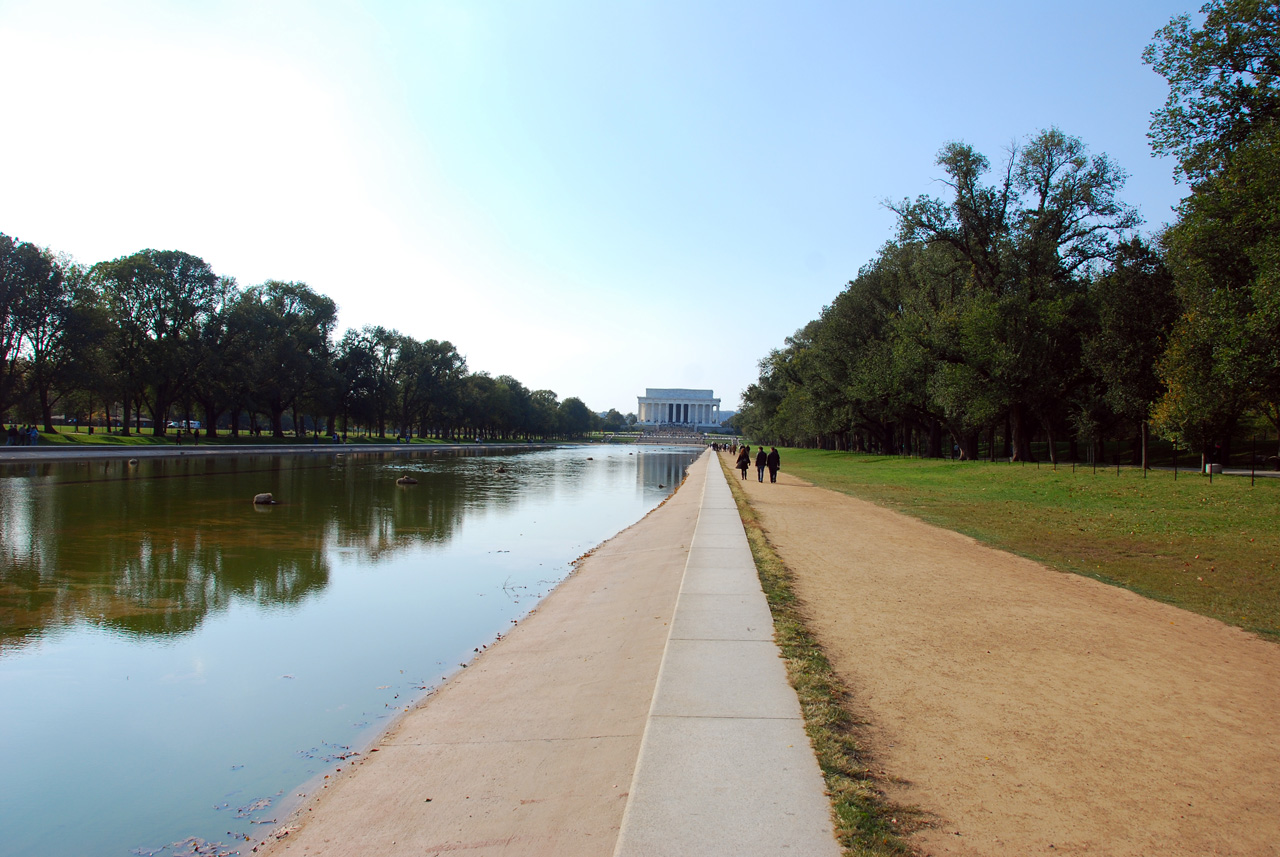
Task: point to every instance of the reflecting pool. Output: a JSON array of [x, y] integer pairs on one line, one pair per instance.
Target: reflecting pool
[[176, 663]]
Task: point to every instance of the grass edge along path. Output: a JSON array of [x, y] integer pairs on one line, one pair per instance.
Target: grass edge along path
[[1209, 547], [867, 823]]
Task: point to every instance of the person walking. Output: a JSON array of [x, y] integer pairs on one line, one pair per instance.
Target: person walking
[[744, 460], [773, 462], [761, 458]]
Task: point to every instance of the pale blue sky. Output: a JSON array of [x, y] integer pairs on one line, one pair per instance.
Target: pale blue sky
[[594, 197]]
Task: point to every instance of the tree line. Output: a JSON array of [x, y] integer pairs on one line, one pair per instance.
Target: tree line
[[1022, 300], [160, 333]]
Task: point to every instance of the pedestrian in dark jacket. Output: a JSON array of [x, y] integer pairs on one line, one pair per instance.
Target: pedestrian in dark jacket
[[773, 462], [744, 460], [761, 458]]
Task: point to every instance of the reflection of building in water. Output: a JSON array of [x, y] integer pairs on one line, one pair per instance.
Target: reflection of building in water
[[662, 468], [680, 407]]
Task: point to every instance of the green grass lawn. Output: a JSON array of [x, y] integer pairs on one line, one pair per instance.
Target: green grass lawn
[[68, 435], [1207, 547]]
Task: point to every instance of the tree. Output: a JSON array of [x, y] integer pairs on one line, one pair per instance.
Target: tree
[[216, 355], [25, 269], [1029, 244], [1224, 83], [285, 328], [576, 418], [50, 337], [546, 412], [1222, 122], [1136, 308], [159, 301], [428, 375]]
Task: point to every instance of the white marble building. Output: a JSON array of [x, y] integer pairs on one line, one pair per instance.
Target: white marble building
[[692, 408]]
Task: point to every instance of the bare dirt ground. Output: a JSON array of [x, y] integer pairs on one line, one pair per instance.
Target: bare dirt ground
[[1029, 711]]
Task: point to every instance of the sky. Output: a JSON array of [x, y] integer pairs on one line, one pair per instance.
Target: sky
[[593, 196]]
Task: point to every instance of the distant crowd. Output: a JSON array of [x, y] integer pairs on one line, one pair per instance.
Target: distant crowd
[[25, 436]]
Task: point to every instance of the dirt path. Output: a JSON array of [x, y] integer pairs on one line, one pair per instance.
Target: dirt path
[[1030, 711]]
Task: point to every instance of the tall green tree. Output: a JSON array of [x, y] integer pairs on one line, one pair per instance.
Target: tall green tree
[[1029, 243], [159, 301], [1222, 79], [287, 329], [52, 337], [1136, 308], [576, 419], [1222, 123], [25, 271]]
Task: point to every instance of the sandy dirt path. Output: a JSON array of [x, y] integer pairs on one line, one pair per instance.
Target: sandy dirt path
[[531, 750], [1029, 711]]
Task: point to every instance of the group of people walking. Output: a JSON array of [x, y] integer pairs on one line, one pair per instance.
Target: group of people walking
[[770, 461], [25, 436]]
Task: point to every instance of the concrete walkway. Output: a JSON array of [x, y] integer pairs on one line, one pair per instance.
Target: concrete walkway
[[725, 767], [653, 664]]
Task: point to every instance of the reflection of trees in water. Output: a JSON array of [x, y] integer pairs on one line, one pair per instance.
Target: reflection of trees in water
[[665, 469], [152, 549], [148, 550], [373, 515]]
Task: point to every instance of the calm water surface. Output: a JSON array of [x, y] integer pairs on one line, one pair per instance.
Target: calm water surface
[[177, 664]]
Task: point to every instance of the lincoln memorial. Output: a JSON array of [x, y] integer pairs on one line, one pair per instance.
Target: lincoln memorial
[[678, 407]]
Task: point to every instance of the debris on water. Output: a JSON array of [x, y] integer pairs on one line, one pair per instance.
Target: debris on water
[[190, 847], [327, 753], [259, 804]]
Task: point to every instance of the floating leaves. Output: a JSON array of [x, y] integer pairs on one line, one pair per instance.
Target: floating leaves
[[327, 753], [191, 847]]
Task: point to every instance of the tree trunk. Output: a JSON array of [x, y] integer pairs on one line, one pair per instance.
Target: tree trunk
[[1021, 435], [1224, 452], [46, 410], [1053, 446], [124, 417], [935, 439]]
